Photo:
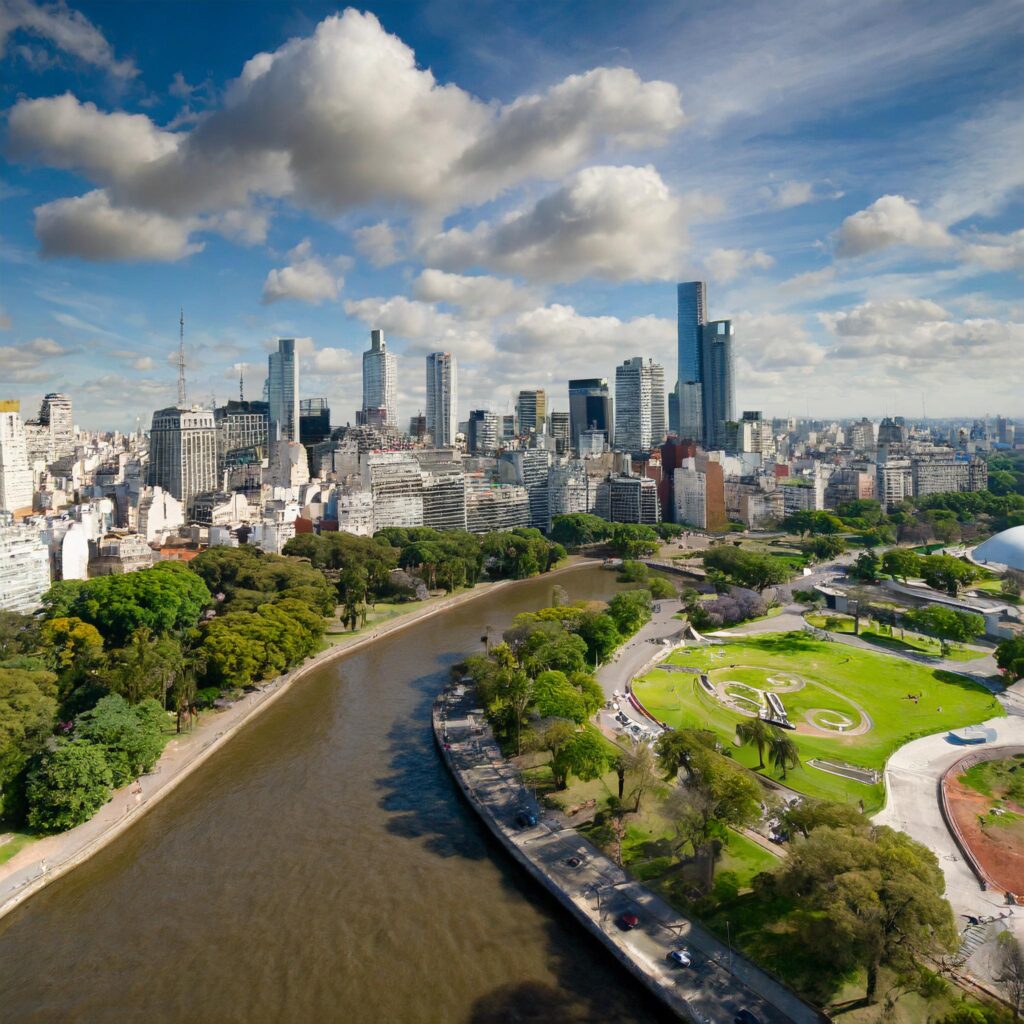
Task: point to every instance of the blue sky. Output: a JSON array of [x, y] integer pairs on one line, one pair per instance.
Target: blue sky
[[520, 184]]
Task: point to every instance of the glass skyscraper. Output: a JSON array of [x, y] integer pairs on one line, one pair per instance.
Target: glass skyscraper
[[691, 316], [717, 386], [283, 391], [590, 408], [442, 398]]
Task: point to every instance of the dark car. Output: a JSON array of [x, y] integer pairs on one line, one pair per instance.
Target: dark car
[[526, 819], [627, 922], [746, 1017], [574, 862]]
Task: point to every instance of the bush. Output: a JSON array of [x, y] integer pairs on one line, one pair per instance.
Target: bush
[[206, 696]]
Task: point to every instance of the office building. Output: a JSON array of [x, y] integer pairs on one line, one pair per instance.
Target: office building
[[183, 452], [691, 315], [15, 470], [492, 507], [55, 413], [380, 378], [569, 490], [283, 391], [754, 434], [590, 408], [508, 426], [699, 493], [628, 499], [482, 432], [314, 421], [395, 483], [417, 426], [442, 398], [893, 430], [558, 428], [242, 431], [528, 467], [24, 566], [717, 382], [639, 405], [531, 410]]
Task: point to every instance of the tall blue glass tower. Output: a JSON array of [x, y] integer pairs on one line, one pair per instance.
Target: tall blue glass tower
[[685, 417]]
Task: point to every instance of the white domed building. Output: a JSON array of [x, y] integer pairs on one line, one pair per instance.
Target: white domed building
[[1006, 548]]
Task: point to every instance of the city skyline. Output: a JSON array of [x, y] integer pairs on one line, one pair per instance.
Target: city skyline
[[860, 222]]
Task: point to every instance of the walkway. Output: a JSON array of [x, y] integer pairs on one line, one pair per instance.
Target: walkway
[[597, 892]]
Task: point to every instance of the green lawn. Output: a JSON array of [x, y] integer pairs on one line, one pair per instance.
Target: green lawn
[[912, 643], [14, 842], [880, 684]]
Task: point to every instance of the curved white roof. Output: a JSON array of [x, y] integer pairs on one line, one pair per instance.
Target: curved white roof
[[1006, 548]]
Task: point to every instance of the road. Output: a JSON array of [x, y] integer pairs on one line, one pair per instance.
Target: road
[[719, 983]]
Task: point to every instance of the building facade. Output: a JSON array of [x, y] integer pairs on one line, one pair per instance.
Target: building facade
[[283, 390], [691, 315], [380, 378], [483, 432], [24, 566], [590, 408], [531, 410], [639, 405], [183, 453], [717, 383], [628, 499], [15, 471], [442, 398]]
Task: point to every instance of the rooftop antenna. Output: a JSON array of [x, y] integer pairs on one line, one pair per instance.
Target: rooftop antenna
[[181, 358], [241, 382]]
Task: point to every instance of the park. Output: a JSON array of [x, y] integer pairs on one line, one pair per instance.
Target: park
[[848, 709]]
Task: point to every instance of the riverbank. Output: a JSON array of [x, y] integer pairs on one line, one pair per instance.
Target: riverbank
[[597, 892], [50, 858]]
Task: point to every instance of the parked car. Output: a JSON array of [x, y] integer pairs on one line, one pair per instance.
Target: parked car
[[627, 922], [745, 1016], [526, 819], [681, 957]]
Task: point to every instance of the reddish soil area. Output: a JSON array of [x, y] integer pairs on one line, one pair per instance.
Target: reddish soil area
[[999, 849]]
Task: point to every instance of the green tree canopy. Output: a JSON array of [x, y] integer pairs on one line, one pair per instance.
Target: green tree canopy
[[745, 568], [632, 540], [28, 705], [630, 610], [130, 736], [584, 755], [579, 528], [944, 572], [1010, 657], [902, 563], [68, 786], [947, 624]]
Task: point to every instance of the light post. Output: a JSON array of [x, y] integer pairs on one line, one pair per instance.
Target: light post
[[728, 935]]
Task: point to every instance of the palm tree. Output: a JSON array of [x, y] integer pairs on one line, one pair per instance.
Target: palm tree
[[782, 751], [755, 732]]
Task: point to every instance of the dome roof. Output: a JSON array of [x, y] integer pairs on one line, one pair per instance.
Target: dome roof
[[1006, 548]]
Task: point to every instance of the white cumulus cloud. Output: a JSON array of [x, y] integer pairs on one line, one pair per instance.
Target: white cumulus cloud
[[889, 221], [305, 279]]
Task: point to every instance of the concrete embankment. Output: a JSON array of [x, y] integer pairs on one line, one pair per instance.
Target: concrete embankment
[[598, 893]]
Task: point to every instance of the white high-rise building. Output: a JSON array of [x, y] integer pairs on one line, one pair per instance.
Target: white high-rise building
[[442, 398], [15, 471], [24, 566], [55, 413], [380, 378], [283, 391], [639, 405], [183, 453]]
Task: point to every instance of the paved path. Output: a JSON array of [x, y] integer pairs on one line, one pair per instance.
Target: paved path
[[597, 892]]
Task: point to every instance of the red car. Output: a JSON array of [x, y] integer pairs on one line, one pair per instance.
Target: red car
[[627, 922]]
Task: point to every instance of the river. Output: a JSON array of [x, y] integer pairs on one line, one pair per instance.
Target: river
[[320, 868]]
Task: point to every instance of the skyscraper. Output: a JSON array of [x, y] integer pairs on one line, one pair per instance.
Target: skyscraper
[[718, 386], [183, 452], [15, 472], [691, 315], [442, 398], [639, 405], [283, 391], [531, 410], [590, 408], [380, 378], [483, 433], [55, 413]]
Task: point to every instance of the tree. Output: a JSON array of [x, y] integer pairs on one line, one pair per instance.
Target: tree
[[633, 572], [1010, 967], [130, 736], [946, 624], [579, 528], [600, 633], [28, 705], [782, 750], [867, 897], [901, 563], [660, 588], [555, 697], [640, 768], [584, 755], [19, 634], [803, 816], [1010, 657], [866, 567], [824, 547], [68, 786], [746, 568], [514, 694], [754, 732], [630, 610], [675, 749], [633, 540], [944, 572]]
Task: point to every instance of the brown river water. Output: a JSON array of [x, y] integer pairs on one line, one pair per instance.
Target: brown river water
[[321, 867]]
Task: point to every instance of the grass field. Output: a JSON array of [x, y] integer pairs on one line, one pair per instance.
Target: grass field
[[12, 843], [879, 684], [907, 642]]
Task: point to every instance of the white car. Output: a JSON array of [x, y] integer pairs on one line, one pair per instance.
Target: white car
[[681, 957]]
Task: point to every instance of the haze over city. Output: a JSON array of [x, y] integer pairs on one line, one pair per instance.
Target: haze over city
[[520, 185]]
